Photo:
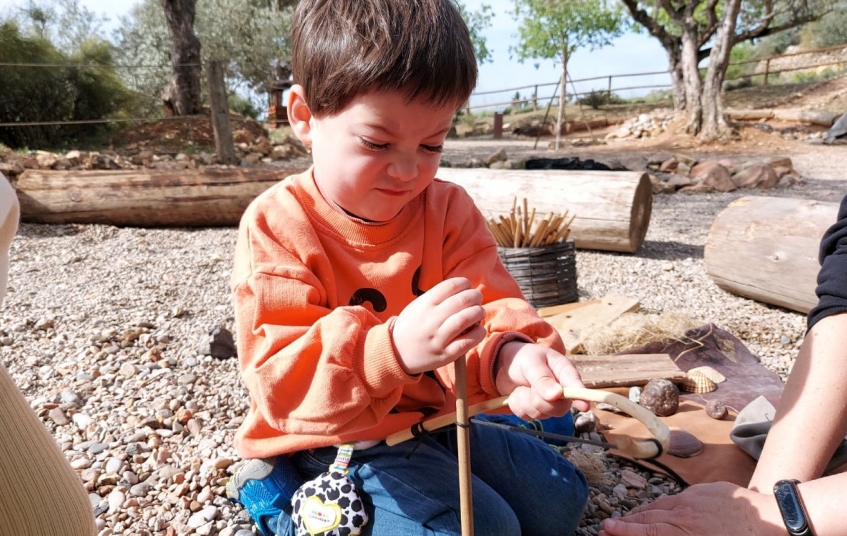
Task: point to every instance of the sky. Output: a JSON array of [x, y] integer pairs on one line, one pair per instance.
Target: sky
[[630, 53]]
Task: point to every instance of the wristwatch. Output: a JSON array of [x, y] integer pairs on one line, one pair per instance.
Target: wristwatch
[[791, 507]]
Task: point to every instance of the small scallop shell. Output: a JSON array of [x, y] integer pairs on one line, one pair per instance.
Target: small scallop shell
[[684, 445], [710, 373], [697, 382]]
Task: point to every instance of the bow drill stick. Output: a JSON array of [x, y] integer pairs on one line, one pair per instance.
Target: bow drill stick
[[627, 445], [463, 436]]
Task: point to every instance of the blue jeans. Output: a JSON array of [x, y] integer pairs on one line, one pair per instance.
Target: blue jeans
[[520, 485]]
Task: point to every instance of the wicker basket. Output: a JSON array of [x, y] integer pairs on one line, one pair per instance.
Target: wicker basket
[[546, 274]]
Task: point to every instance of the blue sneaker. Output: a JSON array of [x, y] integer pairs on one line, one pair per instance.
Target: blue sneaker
[[265, 487]]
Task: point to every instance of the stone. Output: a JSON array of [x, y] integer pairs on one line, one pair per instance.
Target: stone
[[661, 397], [218, 343], [499, 156], [762, 177]]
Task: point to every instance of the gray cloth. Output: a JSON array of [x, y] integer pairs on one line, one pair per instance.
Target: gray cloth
[[753, 424], [839, 128]]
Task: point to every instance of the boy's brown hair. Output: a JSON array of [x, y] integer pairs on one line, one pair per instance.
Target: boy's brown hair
[[345, 48]]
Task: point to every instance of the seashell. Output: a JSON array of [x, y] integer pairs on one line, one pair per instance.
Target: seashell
[[661, 397], [697, 382], [635, 393], [715, 409], [710, 373], [684, 444]]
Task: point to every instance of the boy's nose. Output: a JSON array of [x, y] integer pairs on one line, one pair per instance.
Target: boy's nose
[[404, 169]]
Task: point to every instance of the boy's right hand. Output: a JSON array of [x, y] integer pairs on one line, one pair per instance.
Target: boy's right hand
[[439, 327]]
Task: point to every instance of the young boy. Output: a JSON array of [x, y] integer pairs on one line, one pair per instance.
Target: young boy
[[359, 282]]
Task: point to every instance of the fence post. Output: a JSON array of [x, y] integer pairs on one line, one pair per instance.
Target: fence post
[[767, 69], [535, 99], [609, 91], [498, 125], [220, 113]]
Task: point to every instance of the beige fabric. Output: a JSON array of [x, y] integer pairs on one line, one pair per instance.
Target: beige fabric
[[42, 495]]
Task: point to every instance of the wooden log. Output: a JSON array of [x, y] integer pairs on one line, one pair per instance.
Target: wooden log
[[144, 198], [766, 248], [612, 208]]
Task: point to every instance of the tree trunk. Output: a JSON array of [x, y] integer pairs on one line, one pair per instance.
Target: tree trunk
[[675, 68], [183, 95], [691, 78], [714, 121], [562, 98]]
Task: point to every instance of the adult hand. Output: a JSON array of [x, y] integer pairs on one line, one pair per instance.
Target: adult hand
[[717, 508], [439, 327], [533, 376]]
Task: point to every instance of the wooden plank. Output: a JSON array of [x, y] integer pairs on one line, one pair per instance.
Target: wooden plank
[[599, 371], [572, 324], [565, 308]]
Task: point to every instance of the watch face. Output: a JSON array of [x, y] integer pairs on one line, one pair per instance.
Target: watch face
[[791, 508]]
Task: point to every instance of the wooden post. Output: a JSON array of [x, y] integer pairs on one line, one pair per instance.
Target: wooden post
[[609, 91], [767, 69], [498, 125], [463, 439], [535, 99], [220, 114]]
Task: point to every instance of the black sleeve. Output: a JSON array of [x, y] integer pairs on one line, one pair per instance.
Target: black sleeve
[[832, 278]]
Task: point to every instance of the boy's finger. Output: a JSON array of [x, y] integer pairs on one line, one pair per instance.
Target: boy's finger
[[567, 376], [447, 288]]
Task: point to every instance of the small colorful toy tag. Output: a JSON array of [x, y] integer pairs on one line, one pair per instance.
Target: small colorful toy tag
[[329, 505]]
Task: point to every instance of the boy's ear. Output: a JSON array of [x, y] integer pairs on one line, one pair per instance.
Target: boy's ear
[[299, 114]]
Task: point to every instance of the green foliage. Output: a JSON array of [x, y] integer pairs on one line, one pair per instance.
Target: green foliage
[[599, 97], [243, 106], [249, 37], [828, 31], [555, 30], [477, 21], [88, 88], [740, 53], [776, 44]]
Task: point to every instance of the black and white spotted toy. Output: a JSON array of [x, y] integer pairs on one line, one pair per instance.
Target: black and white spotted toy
[[329, 505]]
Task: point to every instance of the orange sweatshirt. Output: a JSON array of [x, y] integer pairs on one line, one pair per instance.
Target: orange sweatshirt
[[316, 293]]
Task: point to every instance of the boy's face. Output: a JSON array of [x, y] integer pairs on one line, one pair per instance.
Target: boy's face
[[377, 154]]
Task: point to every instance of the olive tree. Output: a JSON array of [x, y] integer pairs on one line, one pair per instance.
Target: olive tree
[[555, 29]]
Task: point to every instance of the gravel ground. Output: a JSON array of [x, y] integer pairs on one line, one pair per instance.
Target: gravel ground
[[101, 327]]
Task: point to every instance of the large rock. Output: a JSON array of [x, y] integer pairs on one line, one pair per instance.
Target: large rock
[[710, 176], [763, 177]]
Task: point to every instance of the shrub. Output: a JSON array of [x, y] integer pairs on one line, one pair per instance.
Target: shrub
[[87, 88], [599, 97]]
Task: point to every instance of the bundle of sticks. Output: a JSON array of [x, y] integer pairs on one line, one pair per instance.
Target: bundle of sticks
[[520, 230]]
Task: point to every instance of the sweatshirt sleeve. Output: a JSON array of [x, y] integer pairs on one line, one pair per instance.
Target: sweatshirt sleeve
[[470, 251], [832, 277], [302, 360]]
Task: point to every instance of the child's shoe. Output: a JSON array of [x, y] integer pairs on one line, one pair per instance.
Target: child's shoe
[[265, 487]]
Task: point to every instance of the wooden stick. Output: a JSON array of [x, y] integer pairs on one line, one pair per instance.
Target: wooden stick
[[525, 219], [528, 236], [463, 435], [518, 227], [541, 231]]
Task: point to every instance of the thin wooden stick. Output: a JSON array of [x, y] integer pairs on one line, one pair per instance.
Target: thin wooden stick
[[518, 227], [525, 219], [528, 237], [463, 435]]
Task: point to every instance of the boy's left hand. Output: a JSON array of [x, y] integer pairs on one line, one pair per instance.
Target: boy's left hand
[[533, 376]]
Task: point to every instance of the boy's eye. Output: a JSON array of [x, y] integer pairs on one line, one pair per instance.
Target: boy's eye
[[433, 148], [373, 146]]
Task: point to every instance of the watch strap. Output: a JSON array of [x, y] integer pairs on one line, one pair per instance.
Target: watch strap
[[791, 507]]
